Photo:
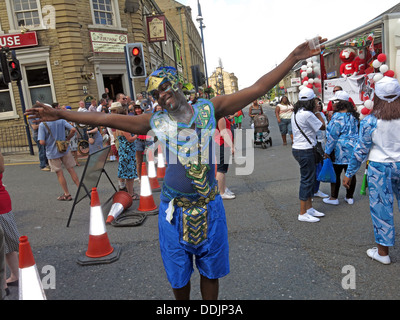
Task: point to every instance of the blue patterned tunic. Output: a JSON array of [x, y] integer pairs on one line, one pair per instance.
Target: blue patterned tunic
[[342, 136]]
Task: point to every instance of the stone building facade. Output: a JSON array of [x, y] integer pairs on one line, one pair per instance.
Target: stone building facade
[[79, 50]]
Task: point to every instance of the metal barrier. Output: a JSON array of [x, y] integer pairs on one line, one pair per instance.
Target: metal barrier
[[14, 139]]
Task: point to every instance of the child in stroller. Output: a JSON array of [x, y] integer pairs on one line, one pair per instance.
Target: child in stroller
[[260, 123]]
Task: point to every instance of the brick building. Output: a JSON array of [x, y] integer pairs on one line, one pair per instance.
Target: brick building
[[80, 49]]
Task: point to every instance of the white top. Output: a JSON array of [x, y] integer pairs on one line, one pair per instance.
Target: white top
[[310, 125], [386, 142], [285, 111]]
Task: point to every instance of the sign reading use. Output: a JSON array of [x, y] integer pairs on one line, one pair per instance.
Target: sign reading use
[[19, 40]]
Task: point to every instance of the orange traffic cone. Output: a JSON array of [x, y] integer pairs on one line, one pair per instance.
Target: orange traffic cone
[[152, 172], [146, 202], [160, 163], [30, 285], [99, 247], [122, 200]]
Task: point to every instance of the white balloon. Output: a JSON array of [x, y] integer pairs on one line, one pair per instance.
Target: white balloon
[[311, 81], [304, 74], [383, 68], [378, 77], [305, 83], [304, 68], [369, 104], [309, 64], [376, 64], [309, 70], [317, 70]]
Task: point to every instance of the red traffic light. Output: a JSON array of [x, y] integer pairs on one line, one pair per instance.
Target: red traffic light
[[13, 65], [136, 51]]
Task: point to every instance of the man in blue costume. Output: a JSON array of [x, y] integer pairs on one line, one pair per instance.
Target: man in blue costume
[[191, 215]]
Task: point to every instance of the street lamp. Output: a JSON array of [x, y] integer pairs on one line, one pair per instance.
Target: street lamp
[[199, 19]]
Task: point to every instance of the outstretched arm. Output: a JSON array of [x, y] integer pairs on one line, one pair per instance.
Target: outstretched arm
[[229, 104], [138, 124]]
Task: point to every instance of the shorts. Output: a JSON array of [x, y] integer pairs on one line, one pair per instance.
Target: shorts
[[211, 255], [238, 119], [285, 126], [222, 167], [11, 234], [141, 144], [67, 160]]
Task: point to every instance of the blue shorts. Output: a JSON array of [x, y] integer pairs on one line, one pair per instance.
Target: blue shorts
[[211, 255]]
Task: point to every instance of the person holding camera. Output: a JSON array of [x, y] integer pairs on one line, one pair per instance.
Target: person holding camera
[[50, 132]]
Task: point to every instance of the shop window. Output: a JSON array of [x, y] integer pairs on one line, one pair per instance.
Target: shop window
[[5, 100], [39, 84]]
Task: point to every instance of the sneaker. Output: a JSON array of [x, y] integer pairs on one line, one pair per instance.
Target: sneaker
[[329, 201], [226, 196], [349, 200], [373, 253], [320, 194], [45, 169], [307, 218], [227, 191], [315, 213]]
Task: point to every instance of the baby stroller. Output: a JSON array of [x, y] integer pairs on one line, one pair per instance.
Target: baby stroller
[[261, 131]]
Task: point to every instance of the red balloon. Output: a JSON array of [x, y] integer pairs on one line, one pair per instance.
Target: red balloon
[[305, 79], [381, 57], [310, 86], [389, 73], [365, 111]]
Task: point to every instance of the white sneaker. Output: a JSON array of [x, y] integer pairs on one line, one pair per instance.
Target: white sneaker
[[349, 200], [373, 253], [226, 196], [307, 218], [227, 191], [328, 201], [320, 194], [315, 213]]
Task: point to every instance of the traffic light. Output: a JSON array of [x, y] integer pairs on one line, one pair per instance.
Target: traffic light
[[136, 61], [4, 74], [14, 70], [198, 77]]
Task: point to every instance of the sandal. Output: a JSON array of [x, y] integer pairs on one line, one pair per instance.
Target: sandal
[[135, 196], [65, 197]]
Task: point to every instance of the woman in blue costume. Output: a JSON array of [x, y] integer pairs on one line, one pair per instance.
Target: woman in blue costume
[[342, 136], [191, 217], [379, 143]]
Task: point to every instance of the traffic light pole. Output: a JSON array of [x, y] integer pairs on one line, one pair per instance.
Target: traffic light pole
[[21, 95]]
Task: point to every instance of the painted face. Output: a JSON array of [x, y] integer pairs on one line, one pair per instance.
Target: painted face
[[169, 98]]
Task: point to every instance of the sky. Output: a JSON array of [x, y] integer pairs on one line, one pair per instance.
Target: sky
[[252, 36]]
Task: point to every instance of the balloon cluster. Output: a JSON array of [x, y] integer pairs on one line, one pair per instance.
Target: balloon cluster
[[311, 74], [378, 63]]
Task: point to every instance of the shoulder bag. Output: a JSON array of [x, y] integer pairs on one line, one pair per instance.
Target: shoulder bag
[[62, 145], [318, 151]]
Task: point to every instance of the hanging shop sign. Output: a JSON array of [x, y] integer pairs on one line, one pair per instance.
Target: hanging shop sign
[[108, 42], [19, 40], [156, 28]]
